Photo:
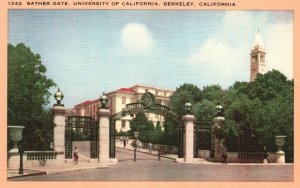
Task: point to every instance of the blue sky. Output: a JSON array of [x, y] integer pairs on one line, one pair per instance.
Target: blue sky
[[87, 52]]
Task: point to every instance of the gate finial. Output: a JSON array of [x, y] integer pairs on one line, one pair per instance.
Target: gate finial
[[103, 99]]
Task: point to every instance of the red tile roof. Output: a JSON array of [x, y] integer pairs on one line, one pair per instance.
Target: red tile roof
[[84, 103], [126, 90]]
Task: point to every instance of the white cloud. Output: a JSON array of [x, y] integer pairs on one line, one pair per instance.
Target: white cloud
[[213, 53], [137, 39], [279, 48], [216, 60]]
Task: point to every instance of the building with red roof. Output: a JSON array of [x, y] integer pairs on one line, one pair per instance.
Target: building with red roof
[[117, 101]]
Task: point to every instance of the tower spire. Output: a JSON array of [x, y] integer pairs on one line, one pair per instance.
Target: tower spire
[[257, 56], [258, 43]]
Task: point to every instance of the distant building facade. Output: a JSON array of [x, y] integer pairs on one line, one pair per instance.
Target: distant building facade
[[257, 58], [117, 101]]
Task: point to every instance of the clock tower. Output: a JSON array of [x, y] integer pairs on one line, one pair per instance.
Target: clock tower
[[257, 58]]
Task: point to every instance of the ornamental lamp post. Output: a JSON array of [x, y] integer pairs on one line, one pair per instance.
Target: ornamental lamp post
[[58, 97], [103, 99], [21, 152], [136, 135], [188, 107], [219, 111]]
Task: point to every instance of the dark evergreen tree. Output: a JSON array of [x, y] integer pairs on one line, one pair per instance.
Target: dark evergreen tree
[[28, 97]]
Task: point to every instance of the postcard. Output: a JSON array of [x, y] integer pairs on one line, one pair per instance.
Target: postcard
[[149, 93]]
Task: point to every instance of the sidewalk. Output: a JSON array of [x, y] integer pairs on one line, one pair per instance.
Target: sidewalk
[[141, 150], [196, 161], [46, 170], [168, 156], [85, 165]]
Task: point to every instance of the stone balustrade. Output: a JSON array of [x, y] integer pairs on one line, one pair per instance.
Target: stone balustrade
[[41, 155], [239, 157], [33, 159], [251, 156]]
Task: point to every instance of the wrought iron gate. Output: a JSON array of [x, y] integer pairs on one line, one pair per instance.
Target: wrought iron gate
[[147, 104], [202, 136], [83, 122]]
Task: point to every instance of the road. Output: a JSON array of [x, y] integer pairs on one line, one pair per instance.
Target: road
[[148, 168]]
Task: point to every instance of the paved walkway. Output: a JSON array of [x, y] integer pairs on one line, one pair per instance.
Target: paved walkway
[[154, 152], [67, 167], [148, 168], [70, 167], [83, 165]]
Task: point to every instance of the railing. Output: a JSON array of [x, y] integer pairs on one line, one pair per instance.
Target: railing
[[41, 155], [251, 156], [163, 148]]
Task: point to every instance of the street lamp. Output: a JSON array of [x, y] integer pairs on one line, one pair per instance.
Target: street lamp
[[219, 111], [21, 151], [58, 97], [188, 107], [103, 100], [136, 135]]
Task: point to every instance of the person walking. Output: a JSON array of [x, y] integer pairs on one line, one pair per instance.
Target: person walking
[[124, 143], [150, 147], [224, 155], [76, 155]]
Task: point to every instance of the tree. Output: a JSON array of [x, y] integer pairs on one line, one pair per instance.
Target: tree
[[204, 110], [28, 96], [213, 93], [170, 133], [141, 124], [263, 109], [156, 134], [185, 93]]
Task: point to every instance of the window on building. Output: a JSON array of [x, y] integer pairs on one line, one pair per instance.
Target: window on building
[[131, 100], [123, 124], [123, 100], [262, 58]]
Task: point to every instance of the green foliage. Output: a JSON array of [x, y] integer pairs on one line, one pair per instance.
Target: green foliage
[[170, 133], [121, 133], [81, 135], [28, 96], [213, 93], [204, 111], [263, 109], [255, 111], [141, 124], [183, 94], [154, 134]]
